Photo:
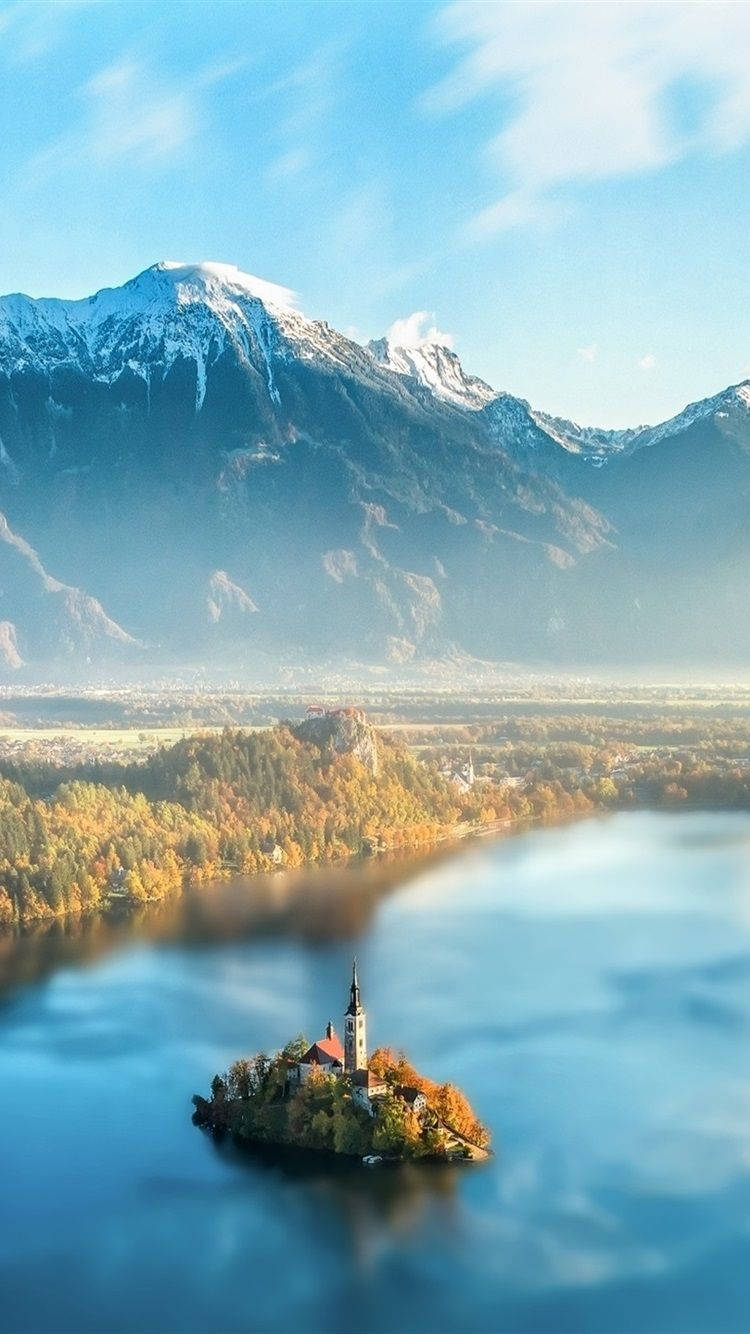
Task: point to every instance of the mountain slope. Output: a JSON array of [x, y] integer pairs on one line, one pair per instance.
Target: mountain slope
[[43, 618], [236, 482]]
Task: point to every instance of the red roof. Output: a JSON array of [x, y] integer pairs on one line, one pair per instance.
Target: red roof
[[324, 1051]]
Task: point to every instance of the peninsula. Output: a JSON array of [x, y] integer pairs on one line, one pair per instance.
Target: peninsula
[[328, 1096]]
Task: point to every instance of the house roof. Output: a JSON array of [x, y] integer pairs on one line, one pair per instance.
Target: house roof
[[324, 1051], [409, 1093], [367, 1080]]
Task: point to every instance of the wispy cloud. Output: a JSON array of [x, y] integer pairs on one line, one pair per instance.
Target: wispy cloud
[[589, 353], [647, 363], [360, 243], [591, 91], [415, 331], [129, 111], [290, 164], [303, 97], [363, 215], [33, 30], [512, 210]]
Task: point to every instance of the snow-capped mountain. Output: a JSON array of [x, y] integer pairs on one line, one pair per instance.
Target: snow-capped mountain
[[190, 467], [731, 405], [172, 312], [437, 368]]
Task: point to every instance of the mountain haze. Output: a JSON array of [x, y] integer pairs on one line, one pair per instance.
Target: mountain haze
[[192, 470]]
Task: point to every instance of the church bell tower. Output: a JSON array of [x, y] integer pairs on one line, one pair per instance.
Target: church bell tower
[[355, 1029]]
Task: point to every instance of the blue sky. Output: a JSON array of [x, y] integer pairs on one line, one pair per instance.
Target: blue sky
[[561, 188]]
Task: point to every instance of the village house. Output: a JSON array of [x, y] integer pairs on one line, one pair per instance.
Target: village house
[[367, 1088]]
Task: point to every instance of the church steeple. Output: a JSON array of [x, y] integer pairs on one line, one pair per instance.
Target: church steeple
[[354, 1006], [355, 1029]]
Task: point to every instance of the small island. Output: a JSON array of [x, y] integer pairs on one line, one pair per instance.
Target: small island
[[330, 1098]]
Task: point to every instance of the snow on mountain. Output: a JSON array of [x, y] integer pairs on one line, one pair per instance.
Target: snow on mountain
[[194, 312], [170, 444], [437, 368], [591, 442], [170, 311], [726, 406], [175, 310], [731, 407]]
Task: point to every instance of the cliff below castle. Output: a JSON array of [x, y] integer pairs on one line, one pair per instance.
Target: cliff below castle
[[341, 732]]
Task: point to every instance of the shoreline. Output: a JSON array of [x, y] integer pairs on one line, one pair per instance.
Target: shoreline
[[119, 908], [119, 904]]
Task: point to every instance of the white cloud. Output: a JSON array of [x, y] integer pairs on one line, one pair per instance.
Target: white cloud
[[589, 353], [132, 111], [289, 164], [32, 31], [415, 331], [591, 91], [515, 208], [647, 363], [301, 101]]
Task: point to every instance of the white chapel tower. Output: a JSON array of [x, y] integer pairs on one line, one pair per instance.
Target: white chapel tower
[[355, 1030]]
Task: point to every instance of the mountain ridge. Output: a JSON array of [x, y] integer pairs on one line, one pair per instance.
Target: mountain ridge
[[219, 473]]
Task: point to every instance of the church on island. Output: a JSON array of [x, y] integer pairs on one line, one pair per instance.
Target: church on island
[[333, 1097], [328, 1056]]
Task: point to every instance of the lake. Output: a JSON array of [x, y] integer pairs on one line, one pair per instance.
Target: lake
[[587, 986]]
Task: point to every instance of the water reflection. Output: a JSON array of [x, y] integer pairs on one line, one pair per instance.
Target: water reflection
[[589, 988], [374, 1209], [316, 904]]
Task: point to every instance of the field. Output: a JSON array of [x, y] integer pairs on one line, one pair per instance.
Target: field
[[130, 738], [522, 726], [80, 745]]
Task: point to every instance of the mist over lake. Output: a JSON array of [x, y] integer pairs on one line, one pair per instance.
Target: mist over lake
[[587, 986]]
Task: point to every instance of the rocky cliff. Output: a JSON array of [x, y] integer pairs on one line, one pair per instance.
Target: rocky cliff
[[344, 732]]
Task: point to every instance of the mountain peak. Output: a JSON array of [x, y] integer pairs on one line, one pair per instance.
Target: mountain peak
[[169, 311], [163, 287], [435, 366], [212, 276]]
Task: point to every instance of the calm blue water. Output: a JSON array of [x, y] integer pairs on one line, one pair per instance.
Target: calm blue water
[[589, 987]]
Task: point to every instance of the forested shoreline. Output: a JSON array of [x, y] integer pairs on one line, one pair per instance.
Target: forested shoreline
[[75, 839], [212, 805]]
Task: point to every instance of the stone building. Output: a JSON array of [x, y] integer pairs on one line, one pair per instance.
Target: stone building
[[355, 1029], [328, 1056]]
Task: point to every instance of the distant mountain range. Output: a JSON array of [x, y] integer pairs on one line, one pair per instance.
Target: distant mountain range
[[192, 471]]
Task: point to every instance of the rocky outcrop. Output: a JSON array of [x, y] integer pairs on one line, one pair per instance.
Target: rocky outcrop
[[226, 601], [344, 732]]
